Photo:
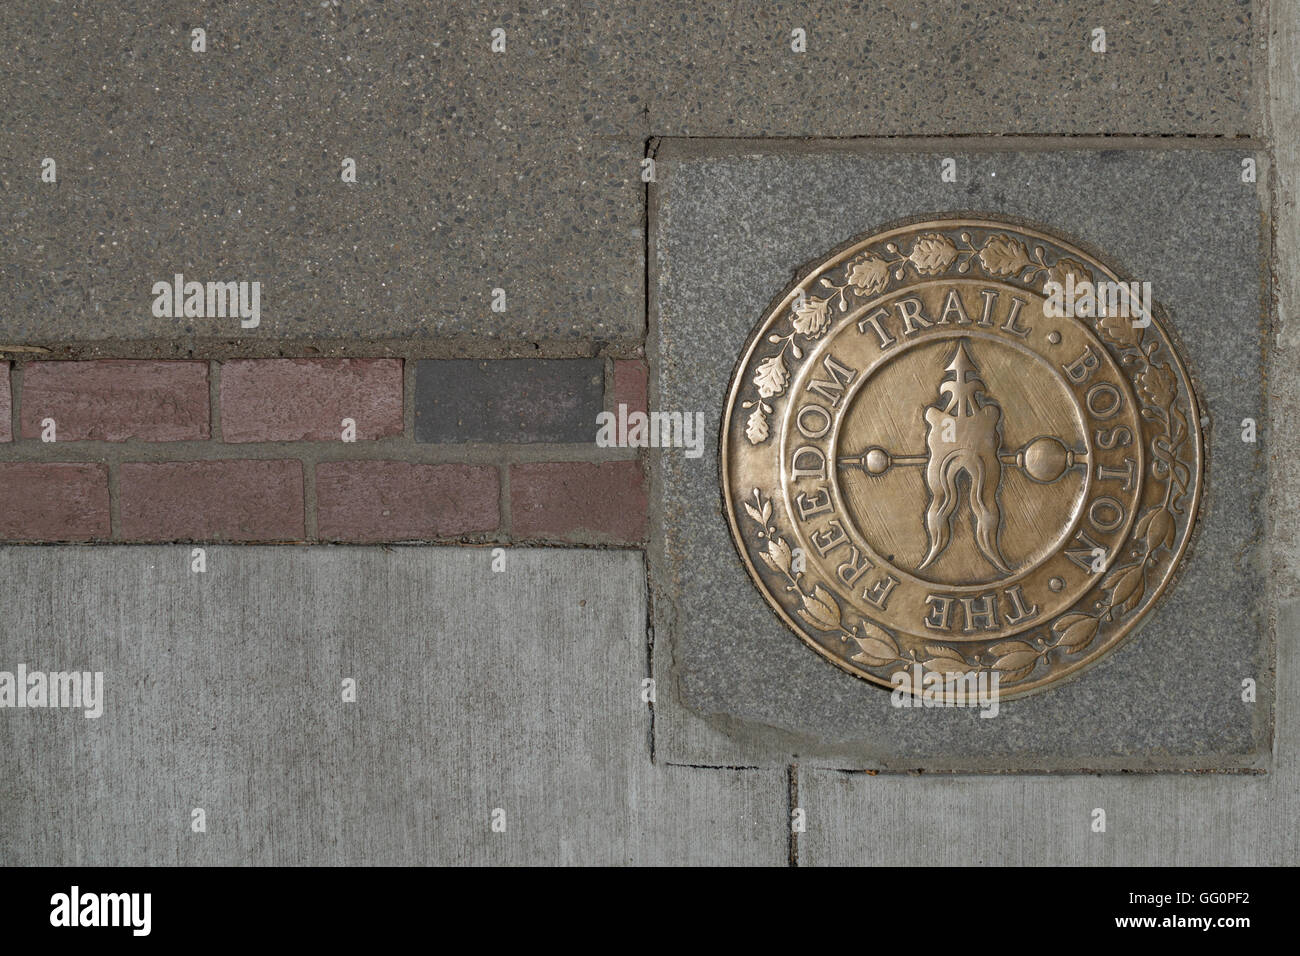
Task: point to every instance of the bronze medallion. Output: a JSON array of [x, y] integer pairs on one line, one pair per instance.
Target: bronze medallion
[[929, 466]]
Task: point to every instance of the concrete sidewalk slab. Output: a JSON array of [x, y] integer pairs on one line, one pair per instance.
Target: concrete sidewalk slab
[[227, 165], [925, 67], [1185, 820], [732, 225], [478, 170], [517, 690]]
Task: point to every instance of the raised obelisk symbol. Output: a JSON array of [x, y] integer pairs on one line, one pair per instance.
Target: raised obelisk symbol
[[964, 435]]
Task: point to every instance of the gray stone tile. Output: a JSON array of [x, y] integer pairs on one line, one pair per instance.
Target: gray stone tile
[[476, 690], [732, 225], [509, 400]]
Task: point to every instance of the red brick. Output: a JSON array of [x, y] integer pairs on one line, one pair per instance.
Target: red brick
[[398, 501], [116, 400], [211, 501], [630, 385], [6, 405], [579, 501], [307, 399], [53, 501]]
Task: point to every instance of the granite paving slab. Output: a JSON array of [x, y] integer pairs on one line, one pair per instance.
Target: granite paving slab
[[733, 223]]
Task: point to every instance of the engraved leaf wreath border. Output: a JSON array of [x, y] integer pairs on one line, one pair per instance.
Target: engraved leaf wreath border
[[870, 274]]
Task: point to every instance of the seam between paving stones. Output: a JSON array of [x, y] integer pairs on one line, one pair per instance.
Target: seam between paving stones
[[1265, 555], [220, 349], [382, 449], [463, 541], [1280, 590], [792, 804], [1116, 767], [15, 399], [650, 152], [649, 656], [408, 401], [1030, 771], [654, 564], [1279, 104], [649, 468], [214, 402], [1011, 143]]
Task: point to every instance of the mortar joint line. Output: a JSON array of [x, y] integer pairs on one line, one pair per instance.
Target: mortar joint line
[[792, 783]]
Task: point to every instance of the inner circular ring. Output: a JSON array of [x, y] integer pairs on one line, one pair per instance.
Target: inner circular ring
[[981, 344]]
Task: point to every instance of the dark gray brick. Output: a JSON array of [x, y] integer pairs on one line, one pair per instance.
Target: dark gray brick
[[511, 400]]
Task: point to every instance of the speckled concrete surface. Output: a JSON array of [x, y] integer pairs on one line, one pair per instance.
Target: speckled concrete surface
[[731, 224], [479, 170], [472, 175], [921, 67]]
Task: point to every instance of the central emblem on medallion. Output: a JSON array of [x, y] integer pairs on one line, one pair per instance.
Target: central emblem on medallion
[[926, 467]]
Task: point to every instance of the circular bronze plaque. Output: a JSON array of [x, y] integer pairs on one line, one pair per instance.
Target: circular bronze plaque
[[941, 457]]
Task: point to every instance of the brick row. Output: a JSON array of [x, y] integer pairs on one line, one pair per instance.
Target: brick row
[[357, 501], [260, 400], [272, 400], [291, 400]]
